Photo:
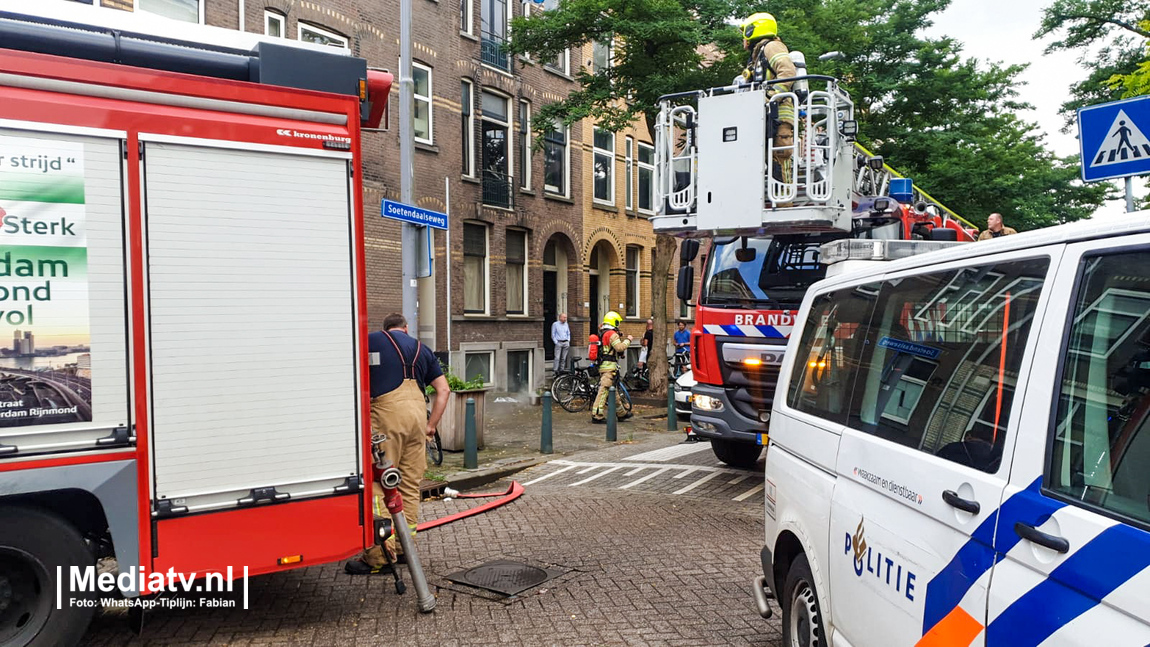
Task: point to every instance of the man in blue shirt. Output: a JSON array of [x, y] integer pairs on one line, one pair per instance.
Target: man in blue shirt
[[401, 367], [561, 336], [682, 339]]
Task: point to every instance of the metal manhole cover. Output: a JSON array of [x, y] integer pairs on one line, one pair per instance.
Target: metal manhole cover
[[504, 576]]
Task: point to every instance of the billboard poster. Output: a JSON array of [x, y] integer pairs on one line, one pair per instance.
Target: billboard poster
[[45, 360]]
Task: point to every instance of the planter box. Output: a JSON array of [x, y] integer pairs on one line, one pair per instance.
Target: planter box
[[452, 426]]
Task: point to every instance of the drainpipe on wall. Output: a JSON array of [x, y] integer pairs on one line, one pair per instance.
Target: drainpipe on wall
[[242, 15]]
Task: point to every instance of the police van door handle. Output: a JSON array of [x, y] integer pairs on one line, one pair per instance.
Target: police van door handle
[[966, 505], [1053, 542]]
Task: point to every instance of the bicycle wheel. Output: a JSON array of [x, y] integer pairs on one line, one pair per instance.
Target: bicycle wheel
[[569, 393], [435, 450], [625, 396]]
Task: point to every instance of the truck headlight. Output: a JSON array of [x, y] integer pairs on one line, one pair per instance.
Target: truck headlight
[[707, 403]]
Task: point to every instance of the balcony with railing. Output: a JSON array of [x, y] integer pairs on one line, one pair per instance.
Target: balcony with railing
[[493, 52], [497, 189]]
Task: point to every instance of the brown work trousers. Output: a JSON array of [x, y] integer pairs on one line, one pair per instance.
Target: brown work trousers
[[608, 377], [401, 415]]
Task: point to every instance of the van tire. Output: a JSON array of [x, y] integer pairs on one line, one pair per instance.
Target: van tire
[[32, 544], [802, 619], [736, 454]]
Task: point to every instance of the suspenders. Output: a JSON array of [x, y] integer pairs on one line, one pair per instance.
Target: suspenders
[[403, 360]]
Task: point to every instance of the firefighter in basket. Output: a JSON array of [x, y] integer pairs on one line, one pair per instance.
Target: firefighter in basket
[[770, 59], [612, 347]]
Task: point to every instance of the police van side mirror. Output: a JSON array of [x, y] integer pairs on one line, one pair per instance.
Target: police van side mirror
[[685, 284], [688, 250]]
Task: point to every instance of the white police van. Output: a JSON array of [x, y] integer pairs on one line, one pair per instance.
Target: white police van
[[960, 448]]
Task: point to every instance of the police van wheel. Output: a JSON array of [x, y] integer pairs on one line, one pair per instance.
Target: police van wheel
[[736, 454], [32, 544], [802, 621]]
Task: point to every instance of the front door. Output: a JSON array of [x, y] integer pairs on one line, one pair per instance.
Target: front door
[[924, 457], [550, 314], [596, 314], [1075, 549]]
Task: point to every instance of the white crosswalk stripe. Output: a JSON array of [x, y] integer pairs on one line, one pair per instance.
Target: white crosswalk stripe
[[668, 453], [625, 475], [595, 476], [696, 483], [547, 476], [644, 479], [749, 493]]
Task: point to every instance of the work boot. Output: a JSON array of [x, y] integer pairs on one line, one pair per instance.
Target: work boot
[[359, 567], [598, 421]]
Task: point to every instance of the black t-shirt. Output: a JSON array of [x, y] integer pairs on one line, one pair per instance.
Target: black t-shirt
[[649, 337], [388, 374]]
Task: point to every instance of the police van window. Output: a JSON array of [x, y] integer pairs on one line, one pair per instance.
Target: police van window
[[941, 358], [827, 359], [1101, 449]]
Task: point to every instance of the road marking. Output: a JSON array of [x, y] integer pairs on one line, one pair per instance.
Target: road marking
[[587, 470], [637, 470], [667, 453], [645, 478], [749, 493], [547, 476], [696, 483], [592, 478], [689, 470], [739, 479]]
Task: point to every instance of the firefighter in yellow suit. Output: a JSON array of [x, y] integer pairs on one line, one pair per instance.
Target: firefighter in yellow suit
[[613, 347], [770, 59]]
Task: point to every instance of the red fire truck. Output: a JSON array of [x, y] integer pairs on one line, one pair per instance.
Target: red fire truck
[[775, 217], [182, 312]]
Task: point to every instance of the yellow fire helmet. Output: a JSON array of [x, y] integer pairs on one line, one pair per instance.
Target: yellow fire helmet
[[612, 319], [758, 26]]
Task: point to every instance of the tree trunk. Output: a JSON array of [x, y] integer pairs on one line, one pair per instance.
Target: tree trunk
[[665, 247]]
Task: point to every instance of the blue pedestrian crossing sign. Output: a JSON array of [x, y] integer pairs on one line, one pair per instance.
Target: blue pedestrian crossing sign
[[1113, 139]]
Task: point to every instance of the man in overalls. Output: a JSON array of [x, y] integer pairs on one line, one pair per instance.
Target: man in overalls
[[400, 368]]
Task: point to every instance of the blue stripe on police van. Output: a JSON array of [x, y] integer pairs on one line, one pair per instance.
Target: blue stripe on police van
[[946, 589], [1073, 588]]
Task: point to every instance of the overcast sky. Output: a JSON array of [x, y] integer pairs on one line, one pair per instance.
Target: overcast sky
[[1002, 30]]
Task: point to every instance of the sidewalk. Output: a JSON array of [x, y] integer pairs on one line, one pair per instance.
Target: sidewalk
[[512, 439]]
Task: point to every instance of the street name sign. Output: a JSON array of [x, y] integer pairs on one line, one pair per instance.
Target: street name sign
[[413, 215], [1112, 139]]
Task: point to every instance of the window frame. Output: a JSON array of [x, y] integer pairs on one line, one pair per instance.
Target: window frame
[[1052, 427], [629, 173], [610, 45], [467, 17], [641, 166], [486, 311], [467, 115], [610, 154], [202, 4], [269, 16], [524, 140], [632, 282], [509, 126], [566, 188], [429, 99], [490, 364], [565, 67], [524, 282], [322, 31]]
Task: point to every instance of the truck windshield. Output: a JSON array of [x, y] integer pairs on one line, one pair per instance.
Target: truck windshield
[[777, 276]]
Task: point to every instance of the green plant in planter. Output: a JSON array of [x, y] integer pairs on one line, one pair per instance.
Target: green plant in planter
[[455, 383]]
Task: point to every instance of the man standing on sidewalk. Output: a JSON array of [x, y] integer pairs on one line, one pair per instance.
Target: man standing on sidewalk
[[561, 336], [401, 367]]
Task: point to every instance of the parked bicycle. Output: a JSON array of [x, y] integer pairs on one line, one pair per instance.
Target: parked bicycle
[[680, 363], [638, 378], [575, 391], [434, 444]]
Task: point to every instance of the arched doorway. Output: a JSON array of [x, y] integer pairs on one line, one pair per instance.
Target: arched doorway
[[599, 264], [555, 288]]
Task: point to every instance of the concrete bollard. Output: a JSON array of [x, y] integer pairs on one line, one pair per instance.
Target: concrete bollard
[[612, 416], [672, 417], [545, 445], [470, 441]]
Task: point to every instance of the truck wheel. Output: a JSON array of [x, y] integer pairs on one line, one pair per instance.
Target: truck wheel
[[735, 454], [32, 544], [802, 621]]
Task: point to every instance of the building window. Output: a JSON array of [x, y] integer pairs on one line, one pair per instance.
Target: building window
[[561, 63], [185, 10], [604, 169], [493, 20], [525, 145], [628, 201], [496, 150], [555, 154], [518, 371], [321, 36], [465, 16], [275, 24], [474, 268], [477, 365], [467, 130], [516, 272], [600, 56], [424, 124], [646, 178], [632, 302]]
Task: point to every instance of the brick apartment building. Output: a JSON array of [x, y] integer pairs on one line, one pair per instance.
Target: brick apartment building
[[534, 232]]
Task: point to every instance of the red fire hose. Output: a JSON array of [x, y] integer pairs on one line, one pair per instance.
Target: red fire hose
[[514, 491]]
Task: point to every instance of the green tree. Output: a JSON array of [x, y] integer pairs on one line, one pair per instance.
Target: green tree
[[660, 47]]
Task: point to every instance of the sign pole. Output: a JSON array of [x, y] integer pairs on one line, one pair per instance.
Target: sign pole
[[408, 232], [1129, 194], [447, 260]]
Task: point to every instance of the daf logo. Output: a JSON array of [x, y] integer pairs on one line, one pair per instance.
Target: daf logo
[[771, 358]]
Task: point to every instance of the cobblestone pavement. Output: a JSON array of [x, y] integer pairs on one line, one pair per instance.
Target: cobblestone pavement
[[657, 543]]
